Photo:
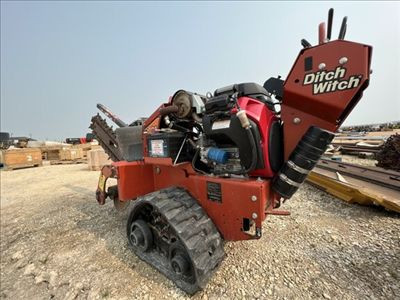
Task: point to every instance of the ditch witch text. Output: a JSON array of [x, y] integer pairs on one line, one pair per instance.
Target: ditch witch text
[[331, 81]]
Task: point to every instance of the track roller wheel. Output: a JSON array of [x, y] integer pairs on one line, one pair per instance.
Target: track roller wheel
[[186, 246], [140, 236], [180, 262]]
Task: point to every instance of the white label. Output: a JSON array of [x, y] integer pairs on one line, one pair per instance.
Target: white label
[[221, 124], [157, 147], [29, 157]]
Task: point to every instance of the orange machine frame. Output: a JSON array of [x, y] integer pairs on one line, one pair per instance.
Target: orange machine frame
[[241, 198]]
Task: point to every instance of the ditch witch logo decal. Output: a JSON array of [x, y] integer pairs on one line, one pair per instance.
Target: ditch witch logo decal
[[331, 81]]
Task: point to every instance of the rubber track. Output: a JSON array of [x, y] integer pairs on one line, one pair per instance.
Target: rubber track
[[195, 230], [106, 137]]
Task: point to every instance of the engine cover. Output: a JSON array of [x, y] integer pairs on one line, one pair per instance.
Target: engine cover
[[226, 131], [271, 140]]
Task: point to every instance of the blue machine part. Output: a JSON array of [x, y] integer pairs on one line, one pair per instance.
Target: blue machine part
[[217, 155]]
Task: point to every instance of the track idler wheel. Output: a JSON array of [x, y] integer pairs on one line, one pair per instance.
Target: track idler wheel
[[140, 236]]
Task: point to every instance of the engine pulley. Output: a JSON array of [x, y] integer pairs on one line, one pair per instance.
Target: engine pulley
[[182, 100]]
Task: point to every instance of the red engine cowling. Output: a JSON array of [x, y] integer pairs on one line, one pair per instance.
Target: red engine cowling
[[271, 135]]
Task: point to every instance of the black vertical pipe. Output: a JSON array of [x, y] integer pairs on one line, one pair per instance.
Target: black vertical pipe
[[343, 28], [330, 20]]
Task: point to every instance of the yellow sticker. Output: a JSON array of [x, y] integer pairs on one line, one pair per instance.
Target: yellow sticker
[[102, 182]]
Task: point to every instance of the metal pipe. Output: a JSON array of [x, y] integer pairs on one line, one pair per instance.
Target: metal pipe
[[168, 110]]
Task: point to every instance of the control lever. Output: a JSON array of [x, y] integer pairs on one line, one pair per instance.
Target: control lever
[[321, 33], [305, 43], [343, 28], [330, 20]]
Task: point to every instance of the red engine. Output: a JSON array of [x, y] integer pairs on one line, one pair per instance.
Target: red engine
[[234, 132]]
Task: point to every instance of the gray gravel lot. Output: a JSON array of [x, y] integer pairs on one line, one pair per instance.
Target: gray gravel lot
[[56, 242]]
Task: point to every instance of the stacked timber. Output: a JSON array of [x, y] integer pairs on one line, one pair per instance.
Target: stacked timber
[[358, 144], [63, 153], [21, 158], [51, 152], [86, 148], [97, 158], [71, 153]]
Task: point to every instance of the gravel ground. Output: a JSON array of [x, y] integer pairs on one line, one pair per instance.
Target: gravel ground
[[56, 242]]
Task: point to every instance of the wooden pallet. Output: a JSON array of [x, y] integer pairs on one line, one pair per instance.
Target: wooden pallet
[[17, 167], [67, 162]]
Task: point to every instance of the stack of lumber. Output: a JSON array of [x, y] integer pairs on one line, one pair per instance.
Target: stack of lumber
[[71, 153], [86, 148], [97, 158], [62, 154], [66, 153], [50, 152], [358, 144], [21, 158]]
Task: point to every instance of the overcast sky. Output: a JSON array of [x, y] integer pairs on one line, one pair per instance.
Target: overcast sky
[[58, 59]]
